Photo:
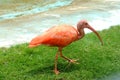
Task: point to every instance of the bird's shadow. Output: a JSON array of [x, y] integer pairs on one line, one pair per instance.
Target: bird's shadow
[[64, 68]]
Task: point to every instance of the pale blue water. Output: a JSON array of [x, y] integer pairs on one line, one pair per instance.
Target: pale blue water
[[58, 3], [115, 76]]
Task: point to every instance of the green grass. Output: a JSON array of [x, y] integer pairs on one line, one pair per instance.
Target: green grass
[[22, 63]]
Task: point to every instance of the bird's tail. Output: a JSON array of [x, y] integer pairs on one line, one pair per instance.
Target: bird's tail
[[31, 46], [37, 41]]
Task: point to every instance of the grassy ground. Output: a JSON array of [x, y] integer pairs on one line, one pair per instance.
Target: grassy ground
[[22, 63]]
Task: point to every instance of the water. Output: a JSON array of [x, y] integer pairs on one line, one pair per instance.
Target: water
[[21, 20], [35, 9], [115, 76]]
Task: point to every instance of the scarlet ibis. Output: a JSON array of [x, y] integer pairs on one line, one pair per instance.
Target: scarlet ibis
[[61, 36]]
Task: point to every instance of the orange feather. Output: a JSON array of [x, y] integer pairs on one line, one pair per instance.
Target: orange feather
[[60, 36]]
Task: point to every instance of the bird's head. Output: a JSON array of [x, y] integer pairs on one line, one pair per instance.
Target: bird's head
[[84, 24]]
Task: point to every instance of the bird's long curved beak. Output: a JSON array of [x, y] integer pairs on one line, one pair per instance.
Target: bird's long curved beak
[[89, 27]]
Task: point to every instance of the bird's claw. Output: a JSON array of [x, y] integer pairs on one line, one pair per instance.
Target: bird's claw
[[56, 72], [73, 61]]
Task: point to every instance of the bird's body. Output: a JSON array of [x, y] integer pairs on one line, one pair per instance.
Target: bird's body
[[59, 36]]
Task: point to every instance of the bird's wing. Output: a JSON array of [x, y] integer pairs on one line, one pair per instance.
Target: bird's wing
[[61, 35]]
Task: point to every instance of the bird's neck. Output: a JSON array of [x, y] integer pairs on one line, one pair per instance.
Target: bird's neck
[[81, 33]]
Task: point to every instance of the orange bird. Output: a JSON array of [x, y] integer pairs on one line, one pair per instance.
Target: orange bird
[[61, 36]]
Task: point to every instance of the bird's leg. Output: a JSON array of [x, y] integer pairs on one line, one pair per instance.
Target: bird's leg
[[55, 69], [69, 60]]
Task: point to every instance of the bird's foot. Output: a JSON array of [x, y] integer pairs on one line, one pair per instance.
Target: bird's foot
[[56, 72], [73, 61]]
